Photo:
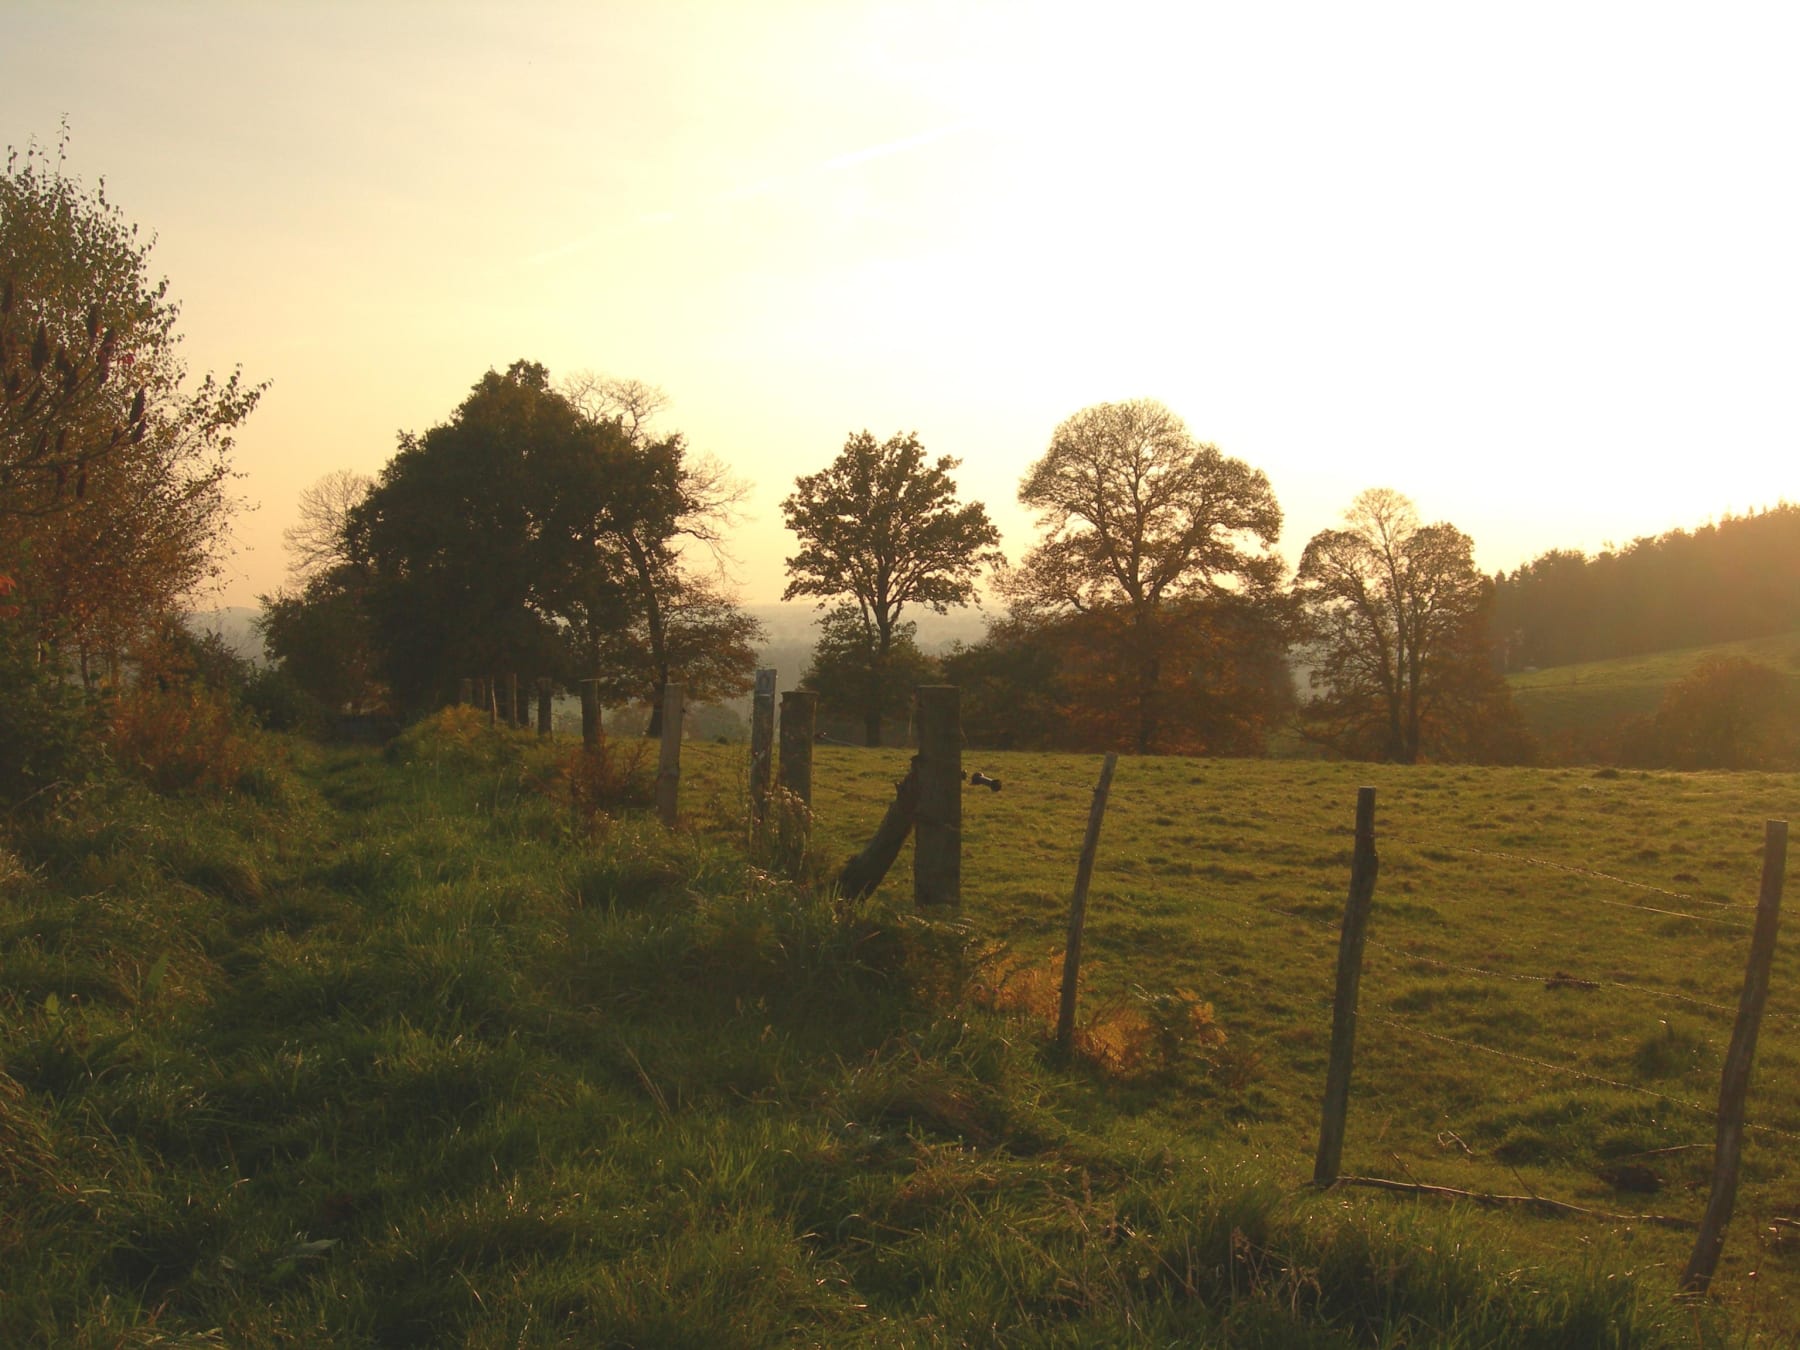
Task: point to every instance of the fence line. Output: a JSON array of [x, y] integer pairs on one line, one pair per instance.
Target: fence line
[[1330, 927], [1564, 977], [1553, 865], [1708, 1111]]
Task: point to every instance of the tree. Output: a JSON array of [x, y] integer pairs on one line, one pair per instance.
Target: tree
[[317, 542], [881, 527], [1136, 515], [851, 677], [1397, 617], [682, 620], [525, 536], [1728, 713], [324, 640], [113, 473], [472, 539]]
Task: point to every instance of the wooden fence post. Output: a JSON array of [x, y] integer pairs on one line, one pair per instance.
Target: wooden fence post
[[1363, 867], [491, 700], [1734, 1084], [1084, 873], [590, 714], [521, 701], [668, 768], [543, 693], [799, 712], [762, 741], [937, 841]]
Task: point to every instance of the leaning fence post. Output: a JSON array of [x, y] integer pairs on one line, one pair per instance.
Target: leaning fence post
[[1363, 867], [490, 699], [1084, 873], [799, 711], [1734, 1084], [937, 840], [590, 714], [668, 767], [762, 740]]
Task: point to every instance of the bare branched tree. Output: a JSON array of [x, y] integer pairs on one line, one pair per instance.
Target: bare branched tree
[[316, 544]]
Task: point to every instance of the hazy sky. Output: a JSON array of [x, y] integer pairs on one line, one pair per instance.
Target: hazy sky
[[1535, 265]]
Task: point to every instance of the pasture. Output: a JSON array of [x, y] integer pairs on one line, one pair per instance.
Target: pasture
[[1594, 695], [400, 1050], [1552, 973]]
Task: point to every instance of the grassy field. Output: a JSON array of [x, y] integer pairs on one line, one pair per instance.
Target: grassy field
[[400, 1052], [1554, 965], [1566, 699]]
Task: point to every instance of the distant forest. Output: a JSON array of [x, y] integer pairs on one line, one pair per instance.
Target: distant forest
[[1739, 578]]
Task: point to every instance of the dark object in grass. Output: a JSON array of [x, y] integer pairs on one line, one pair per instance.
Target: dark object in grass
[[1633, 1177], [1563, 980], [980, 779], [863, 873]]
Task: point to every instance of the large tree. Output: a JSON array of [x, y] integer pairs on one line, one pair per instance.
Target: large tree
[[1137, 516], [527, 535], [114, 471], [663, 533], [471, 539], [1397, 619], [882, 529]]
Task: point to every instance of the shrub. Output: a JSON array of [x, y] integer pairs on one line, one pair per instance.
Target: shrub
[[183, 740], [1729, 713], [1151, 1032], [607, 778]]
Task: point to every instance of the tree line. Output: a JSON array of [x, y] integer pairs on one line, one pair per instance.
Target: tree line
[[1738, 578], [1152, 614], [549, 528]]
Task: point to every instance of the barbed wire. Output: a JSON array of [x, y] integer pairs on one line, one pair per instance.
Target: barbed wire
[[1562, 977], [1566, 1071], [1591, 872]]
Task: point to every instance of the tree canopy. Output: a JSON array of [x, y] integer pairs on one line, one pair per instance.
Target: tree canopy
[[1396, 616], [114, 473], [882, 528], [1137, 515], [525, 535]]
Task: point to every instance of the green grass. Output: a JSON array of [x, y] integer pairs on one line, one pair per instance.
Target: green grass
[[1597, 694], [406, 1054]]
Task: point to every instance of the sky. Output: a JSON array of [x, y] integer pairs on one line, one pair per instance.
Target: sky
[[1534, 265]]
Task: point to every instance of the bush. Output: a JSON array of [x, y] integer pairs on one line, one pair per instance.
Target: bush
[[184, 740], [1730, 713], [47, 728], [608, 778]]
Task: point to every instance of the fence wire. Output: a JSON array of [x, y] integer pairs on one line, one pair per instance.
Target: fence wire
[[1709, 1112]]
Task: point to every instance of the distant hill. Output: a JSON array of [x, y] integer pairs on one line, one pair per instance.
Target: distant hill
[[236, 625], [796, 624], [1569, 702], [793, 630]]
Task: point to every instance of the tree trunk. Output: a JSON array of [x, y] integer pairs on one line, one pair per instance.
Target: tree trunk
[[653, 621], [878, 660], [1149, 678]]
